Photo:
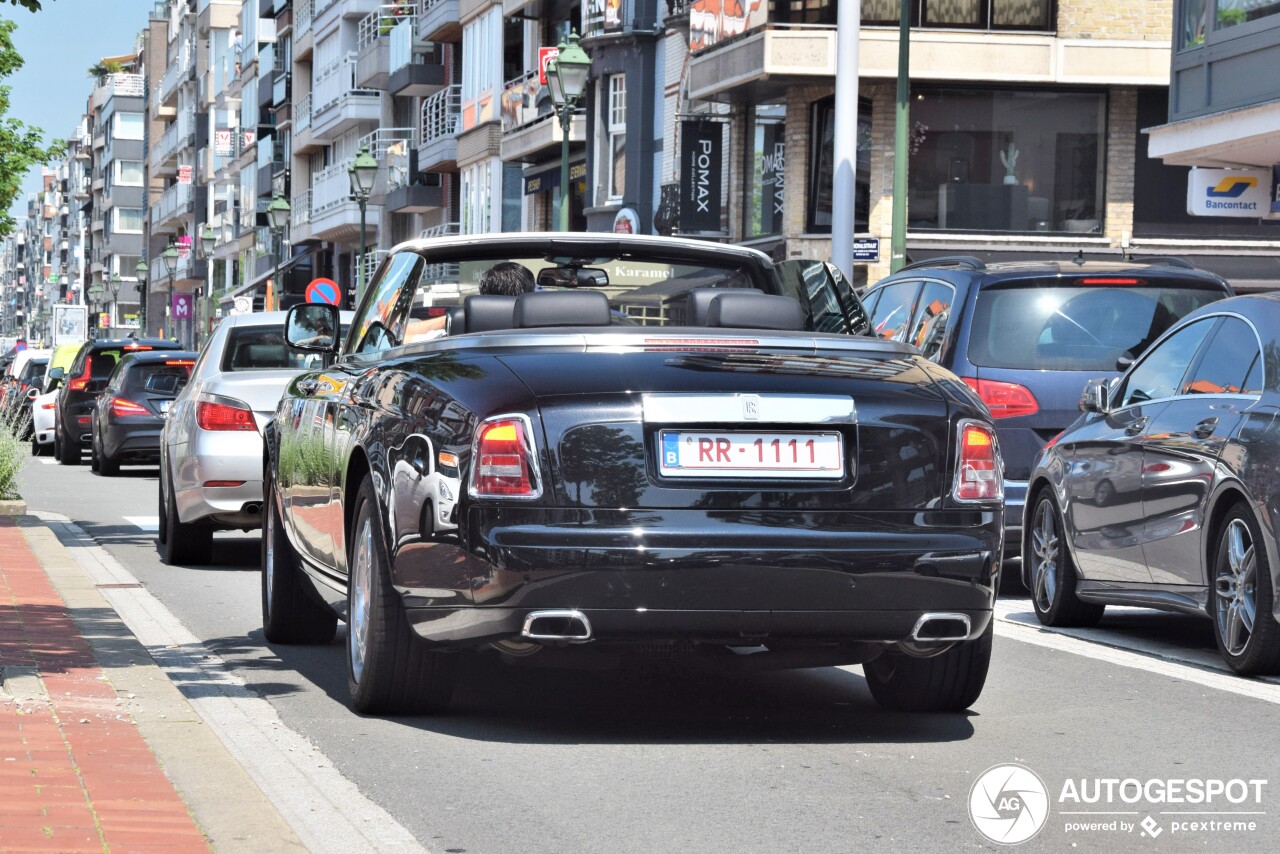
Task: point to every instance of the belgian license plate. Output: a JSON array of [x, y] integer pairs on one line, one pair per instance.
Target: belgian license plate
[[698, 453]]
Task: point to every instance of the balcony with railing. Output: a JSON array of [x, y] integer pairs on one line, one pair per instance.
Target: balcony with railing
[[373, 42], [438, 130], [530, 123], [118, 85], [335, 216], [303, 32], [180, 134], [181, 69], [438, 21], [173, 204], [325, 11], [300, 217], [338, 104], [370, 261], [415, 72], [216, 14]]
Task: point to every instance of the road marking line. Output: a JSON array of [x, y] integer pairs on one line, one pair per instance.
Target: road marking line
[[46, 461], [150, 524], [324, 808], [1161, 659]]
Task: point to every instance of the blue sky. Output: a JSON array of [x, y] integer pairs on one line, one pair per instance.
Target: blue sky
[[59, 44]]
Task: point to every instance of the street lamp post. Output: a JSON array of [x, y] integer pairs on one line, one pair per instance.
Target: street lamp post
[[278, 216], [208, 240], [567, 77], [140, 272], [96, 296], [362, 172], [114, 284], [170, 259]]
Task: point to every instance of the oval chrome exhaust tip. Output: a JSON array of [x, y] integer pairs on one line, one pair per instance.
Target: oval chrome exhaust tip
[[566, 626], [941, 627]]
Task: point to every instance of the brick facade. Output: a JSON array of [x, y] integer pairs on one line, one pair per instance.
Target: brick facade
[[1131, 20]]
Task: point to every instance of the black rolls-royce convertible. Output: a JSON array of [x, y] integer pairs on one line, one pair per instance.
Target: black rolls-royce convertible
[[658, 448]]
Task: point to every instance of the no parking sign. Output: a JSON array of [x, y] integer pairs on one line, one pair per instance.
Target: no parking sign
[[324, 290]]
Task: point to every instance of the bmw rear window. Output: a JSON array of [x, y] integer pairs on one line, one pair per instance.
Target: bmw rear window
[[1044, 325], [263, 348]]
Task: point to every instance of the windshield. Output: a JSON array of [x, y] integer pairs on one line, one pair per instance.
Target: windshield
[[263, 348], [1075, 328]]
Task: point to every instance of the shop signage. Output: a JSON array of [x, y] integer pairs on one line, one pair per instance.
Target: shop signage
[[184, 174], [1243, 193], [243, 305], [222, 143], [181, 306], [701, 161], [711, 21], [626, 222], [247, 138], [545, 55], [866, 249], [546, 180], [773, 171]]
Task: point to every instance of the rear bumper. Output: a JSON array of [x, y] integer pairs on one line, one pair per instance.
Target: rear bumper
[[706, 576], [139, 442], [222, 456]]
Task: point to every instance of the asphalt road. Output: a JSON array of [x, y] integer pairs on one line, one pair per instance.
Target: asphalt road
[[555, 761]]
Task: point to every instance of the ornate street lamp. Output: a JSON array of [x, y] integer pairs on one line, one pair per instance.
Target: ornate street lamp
[[96, 294], [567, 77], [363, 171], [170, 258], [208, 240], [278, 216], [142, 271]]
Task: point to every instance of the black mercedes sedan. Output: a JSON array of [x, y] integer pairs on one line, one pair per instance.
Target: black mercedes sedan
[[129, 413], [654, 449], [1165, 492]]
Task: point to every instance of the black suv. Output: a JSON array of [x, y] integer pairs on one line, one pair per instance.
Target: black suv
[[84, 380], [1028, 336]]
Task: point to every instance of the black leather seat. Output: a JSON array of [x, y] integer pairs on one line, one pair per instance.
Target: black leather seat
[[562, 308], [744, 310], [455, 320], [487, 312], [700, 300]]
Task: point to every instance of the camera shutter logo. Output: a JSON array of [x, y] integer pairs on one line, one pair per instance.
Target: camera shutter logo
[[1009, 804]]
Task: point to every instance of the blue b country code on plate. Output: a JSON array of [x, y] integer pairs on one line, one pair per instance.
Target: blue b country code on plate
[[741, 454]]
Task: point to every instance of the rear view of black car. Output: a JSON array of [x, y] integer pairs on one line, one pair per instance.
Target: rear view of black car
[[85, 379], [130, 411], [1028, 336]]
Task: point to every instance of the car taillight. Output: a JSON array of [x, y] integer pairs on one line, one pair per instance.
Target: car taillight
[[122, 407], [1004, 400], [224, 414], [979, 473], [47, 405], [503, 460], [81, 382]]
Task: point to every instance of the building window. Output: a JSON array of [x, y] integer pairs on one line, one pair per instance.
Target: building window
[[127, 220], [1231, 13], [765, 171], [1033, 15], [125, 266], [127, 126], [822, 130], [127, 173], [993, 160], [614, 156]]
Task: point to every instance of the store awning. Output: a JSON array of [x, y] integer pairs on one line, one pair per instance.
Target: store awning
[[1247, 136]]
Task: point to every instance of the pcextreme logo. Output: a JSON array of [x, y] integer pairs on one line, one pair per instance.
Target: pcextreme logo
[[1232, 188]]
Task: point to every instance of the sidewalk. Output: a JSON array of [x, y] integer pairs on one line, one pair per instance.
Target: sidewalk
[[98, 750]]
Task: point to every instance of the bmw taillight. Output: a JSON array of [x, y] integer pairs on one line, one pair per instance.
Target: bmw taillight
[[224, 413], [121, 407], [1004, 400], [979, 473], [503, 459], [81, 382]]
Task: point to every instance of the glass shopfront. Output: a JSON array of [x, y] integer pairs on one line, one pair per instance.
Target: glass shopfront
[[765, 171], [996, 160], [822, 131]]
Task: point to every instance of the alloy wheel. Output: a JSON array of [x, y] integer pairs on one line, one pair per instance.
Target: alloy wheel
[[1236, 588], [361, 597], [1045, 547]]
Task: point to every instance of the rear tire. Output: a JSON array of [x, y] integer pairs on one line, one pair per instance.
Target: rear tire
[[289, 614], [950, 682], [186, 544], [68, 454], [37, 450], [1242, 597], [389, 669], [162, 513], [107, 466], [1052, 571]]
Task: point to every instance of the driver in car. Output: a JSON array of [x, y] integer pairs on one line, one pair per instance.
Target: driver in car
[[506, 278]]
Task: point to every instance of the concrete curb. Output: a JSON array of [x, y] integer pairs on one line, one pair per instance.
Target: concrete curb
[[229, 806]]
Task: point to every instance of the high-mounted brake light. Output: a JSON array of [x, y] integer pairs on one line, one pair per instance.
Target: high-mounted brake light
[[979, 472], [224, 414], [1111, 280], [121, 407], [184, 362], [135, 348], [1005, 400], [504, 464]]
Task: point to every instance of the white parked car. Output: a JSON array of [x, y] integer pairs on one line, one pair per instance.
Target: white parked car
[[211, 444]]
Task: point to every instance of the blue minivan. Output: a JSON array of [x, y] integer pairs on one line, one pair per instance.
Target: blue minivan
[[1028, 336]]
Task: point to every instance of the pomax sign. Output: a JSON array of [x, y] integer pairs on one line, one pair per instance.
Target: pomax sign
[[1229, 192]]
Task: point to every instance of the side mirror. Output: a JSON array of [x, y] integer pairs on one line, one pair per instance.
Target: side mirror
[[313, 327], [1124, 362], [1094, 398], [55, 374]]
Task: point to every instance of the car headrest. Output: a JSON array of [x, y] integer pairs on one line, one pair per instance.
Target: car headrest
[[487, 312], [455, 320], [562, 308], [700, 300], [755, 311], [261, 356]]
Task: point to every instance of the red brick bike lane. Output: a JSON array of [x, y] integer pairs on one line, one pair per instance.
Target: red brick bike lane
[[75, 774]]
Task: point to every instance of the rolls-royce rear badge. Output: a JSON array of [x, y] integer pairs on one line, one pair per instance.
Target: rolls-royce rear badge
[[751, 407]]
